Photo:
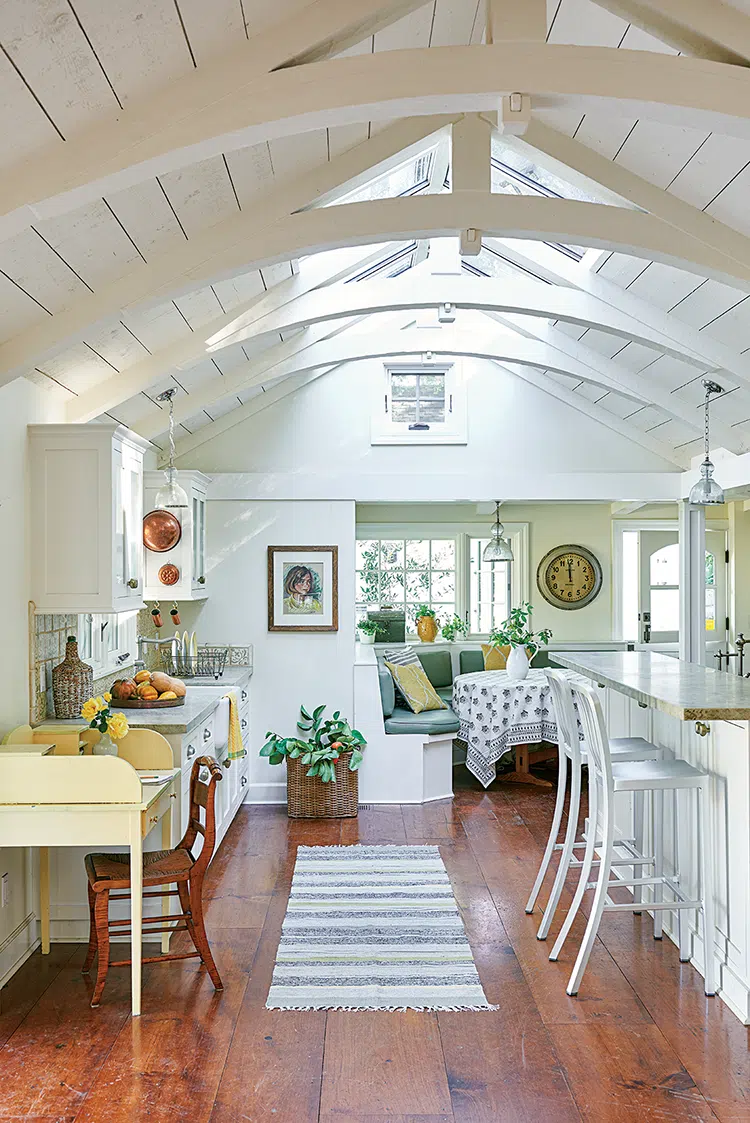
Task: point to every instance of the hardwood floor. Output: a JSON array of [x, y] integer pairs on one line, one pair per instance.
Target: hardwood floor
[[641, 1041]]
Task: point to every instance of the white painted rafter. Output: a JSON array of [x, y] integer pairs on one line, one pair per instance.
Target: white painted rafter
[[223, 107], [589, 409], [709, 29]]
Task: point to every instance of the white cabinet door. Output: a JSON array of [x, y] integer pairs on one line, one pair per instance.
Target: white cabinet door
[[199, 544]]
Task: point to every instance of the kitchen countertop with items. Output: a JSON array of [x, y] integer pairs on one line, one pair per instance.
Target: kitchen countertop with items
[[200, 701]]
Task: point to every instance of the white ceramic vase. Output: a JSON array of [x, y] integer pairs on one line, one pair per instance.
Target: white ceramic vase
[[105, 746], [517, 665]]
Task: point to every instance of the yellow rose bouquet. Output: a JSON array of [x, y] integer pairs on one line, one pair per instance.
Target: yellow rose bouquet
[[98, 713]]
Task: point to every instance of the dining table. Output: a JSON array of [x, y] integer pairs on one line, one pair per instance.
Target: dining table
[[499, 714]]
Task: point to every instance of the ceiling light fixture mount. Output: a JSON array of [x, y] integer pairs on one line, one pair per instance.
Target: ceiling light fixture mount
[[170, 496], [498, 548], [706, 492]]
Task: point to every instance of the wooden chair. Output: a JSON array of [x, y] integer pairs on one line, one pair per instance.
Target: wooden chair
[[110, 872]]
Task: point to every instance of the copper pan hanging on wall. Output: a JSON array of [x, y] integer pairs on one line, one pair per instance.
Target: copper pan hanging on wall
[[161, 531]]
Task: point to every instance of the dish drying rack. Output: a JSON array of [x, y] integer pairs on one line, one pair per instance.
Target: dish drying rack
[[209, 662]]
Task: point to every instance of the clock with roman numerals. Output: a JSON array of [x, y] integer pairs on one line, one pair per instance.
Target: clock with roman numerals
[[569, 576]]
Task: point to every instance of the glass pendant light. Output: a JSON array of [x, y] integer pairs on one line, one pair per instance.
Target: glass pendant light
[[170, 495], [498, 548], [707, 492]]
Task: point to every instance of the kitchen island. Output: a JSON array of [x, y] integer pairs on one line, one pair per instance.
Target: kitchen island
[[702, 716]]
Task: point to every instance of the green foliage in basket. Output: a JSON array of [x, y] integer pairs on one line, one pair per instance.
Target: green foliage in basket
[[516, 630], [328, 740], [454, 629]]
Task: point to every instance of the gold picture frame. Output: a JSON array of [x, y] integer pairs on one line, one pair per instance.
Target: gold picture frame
[[303, 588]]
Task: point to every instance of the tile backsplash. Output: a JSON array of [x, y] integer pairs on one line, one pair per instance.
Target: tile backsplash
[[49, 638]]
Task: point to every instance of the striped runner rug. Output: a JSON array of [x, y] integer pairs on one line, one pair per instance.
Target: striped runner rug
[[373, 928]]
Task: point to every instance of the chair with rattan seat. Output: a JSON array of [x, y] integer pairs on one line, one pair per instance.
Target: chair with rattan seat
[[108, 874]]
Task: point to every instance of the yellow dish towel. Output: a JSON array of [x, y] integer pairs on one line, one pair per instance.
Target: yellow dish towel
[[235, 746]]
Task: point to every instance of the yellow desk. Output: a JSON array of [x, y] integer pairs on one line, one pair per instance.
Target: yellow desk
[[86, 801]]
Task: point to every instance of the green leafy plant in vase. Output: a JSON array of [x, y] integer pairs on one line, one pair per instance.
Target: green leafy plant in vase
[[427, 623], [369, 630], [515, 633], [329, 741], [454, 630]]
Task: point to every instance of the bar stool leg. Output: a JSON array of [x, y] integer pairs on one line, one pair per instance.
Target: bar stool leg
[[682, 818], [638, 805], [565, 854], [588, 858], [709, 930], [657, 819], [600, 899], [562, 780]]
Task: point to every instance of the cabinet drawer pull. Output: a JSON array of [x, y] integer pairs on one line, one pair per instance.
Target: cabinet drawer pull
[[702, 729], [201, 580], [133, 583], [191, 751], [207, 734], [243, 723], [243, 781], [243, 696], [154, 819]]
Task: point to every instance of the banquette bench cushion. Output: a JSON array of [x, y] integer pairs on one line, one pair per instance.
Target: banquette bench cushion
[[399, 719]]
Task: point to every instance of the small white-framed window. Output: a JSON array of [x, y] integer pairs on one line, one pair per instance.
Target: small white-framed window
[[421, 403], [107, 640]]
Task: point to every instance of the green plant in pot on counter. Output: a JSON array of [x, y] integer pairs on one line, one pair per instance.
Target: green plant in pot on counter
[[516, 634], [328, 741], [369, 630], [454, 629]]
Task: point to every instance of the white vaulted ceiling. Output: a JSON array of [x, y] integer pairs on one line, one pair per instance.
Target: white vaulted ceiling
[[141, 216]]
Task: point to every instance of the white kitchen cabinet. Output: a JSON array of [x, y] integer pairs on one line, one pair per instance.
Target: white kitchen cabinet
[[87, 512], [189, 555]]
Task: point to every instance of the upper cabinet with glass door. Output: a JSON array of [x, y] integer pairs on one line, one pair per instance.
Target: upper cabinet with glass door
[[87, 511], [188, 554]]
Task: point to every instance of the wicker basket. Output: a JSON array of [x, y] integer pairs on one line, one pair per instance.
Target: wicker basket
[[312, 799]]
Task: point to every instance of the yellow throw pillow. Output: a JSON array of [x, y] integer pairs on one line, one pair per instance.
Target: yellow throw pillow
[[416, 687], [495, 658]]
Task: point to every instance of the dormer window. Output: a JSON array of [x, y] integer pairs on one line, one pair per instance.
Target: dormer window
[[422, 403]]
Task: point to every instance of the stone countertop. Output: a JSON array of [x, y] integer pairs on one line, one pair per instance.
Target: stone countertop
[[199, 704], [686, 691]]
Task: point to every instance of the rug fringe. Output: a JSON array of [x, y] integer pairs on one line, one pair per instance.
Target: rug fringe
[[390, 1009]]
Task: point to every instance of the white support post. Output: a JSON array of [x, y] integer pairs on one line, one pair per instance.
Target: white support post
[[471, 139], [692, 532]]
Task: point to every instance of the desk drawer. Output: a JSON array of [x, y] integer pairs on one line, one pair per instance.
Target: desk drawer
[[151, 816]]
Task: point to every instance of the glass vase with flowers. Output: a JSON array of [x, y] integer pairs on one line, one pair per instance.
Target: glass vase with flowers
[[112, 727]]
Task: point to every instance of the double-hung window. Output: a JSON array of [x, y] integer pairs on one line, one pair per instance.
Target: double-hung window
[[107, 640], [421, 403]]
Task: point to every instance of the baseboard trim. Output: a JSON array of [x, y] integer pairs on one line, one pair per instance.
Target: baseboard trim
[[17, 947]]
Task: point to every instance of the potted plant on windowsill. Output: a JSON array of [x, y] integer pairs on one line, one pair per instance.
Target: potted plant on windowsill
[[321, 772], [368, 630], [515, 637], [454, 630], [427, 623]]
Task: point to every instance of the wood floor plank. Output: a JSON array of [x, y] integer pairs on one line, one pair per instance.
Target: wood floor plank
[[29, 983], [616, 1071], [167, 1064], [377, 824], [347, 1118], [386, 1063]]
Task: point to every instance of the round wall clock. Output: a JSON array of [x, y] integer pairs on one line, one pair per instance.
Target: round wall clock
[[569, 576]]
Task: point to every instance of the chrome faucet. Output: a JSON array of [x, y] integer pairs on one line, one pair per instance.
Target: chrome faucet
[[144, 641]]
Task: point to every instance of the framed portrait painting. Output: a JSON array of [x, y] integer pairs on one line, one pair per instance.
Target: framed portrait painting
[[303, 589]]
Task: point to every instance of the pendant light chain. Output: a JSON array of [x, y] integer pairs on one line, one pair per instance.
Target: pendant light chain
[[171, 495], [171, 430]]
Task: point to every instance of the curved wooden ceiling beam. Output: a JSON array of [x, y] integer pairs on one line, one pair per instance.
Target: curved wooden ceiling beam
[[227, 106], [238, 246]]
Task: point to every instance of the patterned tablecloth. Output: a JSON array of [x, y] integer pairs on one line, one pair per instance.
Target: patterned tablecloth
[[497, 713]]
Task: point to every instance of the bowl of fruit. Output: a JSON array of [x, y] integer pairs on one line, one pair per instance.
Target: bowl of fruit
[[148, 690]]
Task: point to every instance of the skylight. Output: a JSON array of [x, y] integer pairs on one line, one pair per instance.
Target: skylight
[[409, 178]]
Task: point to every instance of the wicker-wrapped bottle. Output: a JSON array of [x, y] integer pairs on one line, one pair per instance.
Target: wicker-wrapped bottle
[[72, 682]]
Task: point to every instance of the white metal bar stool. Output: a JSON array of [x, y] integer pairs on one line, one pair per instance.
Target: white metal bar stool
[[570, 752], [606, 778]]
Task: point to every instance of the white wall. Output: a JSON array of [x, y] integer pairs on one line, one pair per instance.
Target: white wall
[[290, 667], [21, 403], [324, 430]]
